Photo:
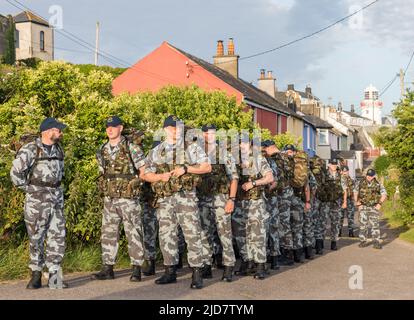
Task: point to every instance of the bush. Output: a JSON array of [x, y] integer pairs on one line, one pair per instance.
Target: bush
[[83, 100]]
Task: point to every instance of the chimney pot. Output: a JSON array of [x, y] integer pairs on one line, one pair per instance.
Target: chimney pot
[[291, 87], [352, 108], [269, 75], [262, 73], [220, 48], [308, 89], [230, 49]]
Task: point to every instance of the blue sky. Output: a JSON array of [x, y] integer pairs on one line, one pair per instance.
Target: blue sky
[[338, 63]]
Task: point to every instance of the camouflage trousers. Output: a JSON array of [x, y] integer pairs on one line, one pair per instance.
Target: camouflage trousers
[[150, 223], [318, 220], [272, 207], [349, 212], [331, 210], [296, 213], [249, 222], [285, 230], [44, 219], [181, 240], [128, 212], [180, 209], [215, 221], [369, 216], [308, 229]]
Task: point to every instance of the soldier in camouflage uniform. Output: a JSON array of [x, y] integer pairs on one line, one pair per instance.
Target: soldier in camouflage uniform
[[300, 204], [271, 152], [308, 219], [334, 189], [319, 171], [250, 217], [285, 194], [121, 165], [369, 195], [217, 196], [348, 208], [174, 174], [38, 171], [150, 224]]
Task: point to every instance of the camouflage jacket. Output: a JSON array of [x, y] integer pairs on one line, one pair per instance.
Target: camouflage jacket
[[334, 187], [35, 168], [119, 168], [165, 157], [370, 193], [256, 169], [223, 171], [349, 183]]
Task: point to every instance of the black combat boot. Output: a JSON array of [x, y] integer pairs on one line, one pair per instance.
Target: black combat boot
[[287, 258], [218, 259], [54, 285], [243, 269], [227, 274], [107, 273], [251, 268], [351, 233], [340, 232], [170, 276], [308, 253], [319, 246], [274, 263], [333, 245], [149, 268], [136, 274], [206, 272], [260, 271], [180, 261], [377, 245], [297, 255], [197, 279], [36, 280]]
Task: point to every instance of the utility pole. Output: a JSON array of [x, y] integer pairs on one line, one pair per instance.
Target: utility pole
[[97, 44], [402, 75]]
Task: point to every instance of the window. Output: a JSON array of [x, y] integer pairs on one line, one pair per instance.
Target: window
[[42, 41], [323, 137], [16, 39]]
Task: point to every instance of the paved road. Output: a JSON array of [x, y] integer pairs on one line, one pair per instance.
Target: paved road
[[386, 274]]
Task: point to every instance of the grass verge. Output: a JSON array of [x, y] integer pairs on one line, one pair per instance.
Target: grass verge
[[14, 260], [392, 216]]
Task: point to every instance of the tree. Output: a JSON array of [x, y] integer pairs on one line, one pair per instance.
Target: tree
[[10, 52], [398, 143]]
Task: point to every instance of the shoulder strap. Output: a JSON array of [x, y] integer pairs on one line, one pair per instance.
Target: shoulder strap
[[127, 145]]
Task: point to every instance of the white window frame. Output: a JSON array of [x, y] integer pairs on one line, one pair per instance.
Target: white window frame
[[325, 143]]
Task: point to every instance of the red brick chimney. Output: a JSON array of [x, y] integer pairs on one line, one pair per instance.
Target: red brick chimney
[[229, 62]]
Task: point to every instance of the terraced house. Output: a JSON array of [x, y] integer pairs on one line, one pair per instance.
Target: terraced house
[[169, 65]]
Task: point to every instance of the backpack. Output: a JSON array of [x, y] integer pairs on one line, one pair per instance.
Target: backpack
[[301, 171], [23, 140]]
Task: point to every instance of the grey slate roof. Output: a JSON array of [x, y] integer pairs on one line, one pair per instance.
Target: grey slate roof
[[27, 16], [354, 115], [249, 91], [317, 122]]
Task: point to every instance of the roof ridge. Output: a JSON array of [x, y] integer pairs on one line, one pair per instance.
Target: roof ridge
[[222, 74]]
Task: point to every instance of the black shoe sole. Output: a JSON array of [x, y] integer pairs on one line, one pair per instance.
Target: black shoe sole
[[135, 280], [161, 283]]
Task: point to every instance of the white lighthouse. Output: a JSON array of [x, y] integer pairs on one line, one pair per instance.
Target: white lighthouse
[[371, 107]]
